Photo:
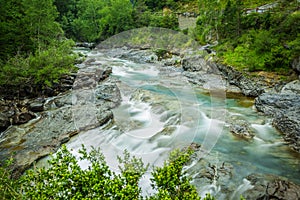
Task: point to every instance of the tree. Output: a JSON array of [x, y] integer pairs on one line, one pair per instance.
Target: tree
[[36, 51]]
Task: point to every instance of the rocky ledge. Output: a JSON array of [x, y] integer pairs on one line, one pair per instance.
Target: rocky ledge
[[57, 119], [284, 107]]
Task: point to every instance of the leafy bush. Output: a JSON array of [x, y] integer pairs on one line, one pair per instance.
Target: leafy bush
[[44, 67], [65, 179]]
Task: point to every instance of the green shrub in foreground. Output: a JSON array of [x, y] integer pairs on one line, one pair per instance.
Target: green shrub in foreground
[[65, 179]]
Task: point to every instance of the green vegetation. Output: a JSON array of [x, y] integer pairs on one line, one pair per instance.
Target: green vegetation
[[65, 179], [253, 40], [32, 47]]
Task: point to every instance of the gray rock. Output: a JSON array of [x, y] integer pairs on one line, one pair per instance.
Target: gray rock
[[271, 187], [285, 109], [242, 129], [37, 105], [291, 88], [247, 86], [196, 63]]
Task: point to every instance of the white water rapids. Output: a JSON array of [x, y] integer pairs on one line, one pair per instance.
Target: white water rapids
[[161, 111]]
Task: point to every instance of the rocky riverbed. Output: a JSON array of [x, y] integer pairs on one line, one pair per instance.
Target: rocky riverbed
[[33, 128]]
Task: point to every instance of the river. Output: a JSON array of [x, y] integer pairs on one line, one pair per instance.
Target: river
[[161, 111]]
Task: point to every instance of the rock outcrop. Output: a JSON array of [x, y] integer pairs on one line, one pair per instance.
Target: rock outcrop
[[285, 109], [247, 86], [59, 118], [271, 187]]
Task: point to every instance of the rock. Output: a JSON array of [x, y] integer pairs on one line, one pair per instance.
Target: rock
[[242, 129], [285, 109], [4, 122], [296, 64], [291, 88], [85, 45], [198, 63], [22, 118], [37, 105], [138, 56], [271, 187], [248, 87]]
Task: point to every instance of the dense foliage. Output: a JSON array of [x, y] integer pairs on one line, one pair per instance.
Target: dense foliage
[[96, 20], [32, 47], [33, 44], [251, 37], [65, 179]]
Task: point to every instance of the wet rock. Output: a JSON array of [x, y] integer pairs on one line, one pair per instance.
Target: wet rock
[[285, 109], [242, 129], [206, 75], [4, 121], [247, 86], [291, 88], [271, 187], [85, 45], [108, 91], [37, 105], [22, 118], [213, 176], [138, 56]]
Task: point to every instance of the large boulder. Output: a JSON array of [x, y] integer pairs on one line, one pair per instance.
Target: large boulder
[[271, 187], [285, 109]]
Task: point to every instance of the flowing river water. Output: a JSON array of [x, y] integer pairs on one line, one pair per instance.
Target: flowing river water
[[161, 111]]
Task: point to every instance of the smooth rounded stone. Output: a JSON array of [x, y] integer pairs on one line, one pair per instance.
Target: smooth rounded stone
[[291, 88], [271, 187]]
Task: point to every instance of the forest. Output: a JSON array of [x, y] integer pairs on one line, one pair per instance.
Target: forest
[[31, 31]]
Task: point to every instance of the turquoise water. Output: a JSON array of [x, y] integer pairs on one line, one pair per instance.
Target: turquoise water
[[161, 111]]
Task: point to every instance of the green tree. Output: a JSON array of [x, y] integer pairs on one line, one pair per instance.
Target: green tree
[[67, 14], [171, 181], [37, 52]]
